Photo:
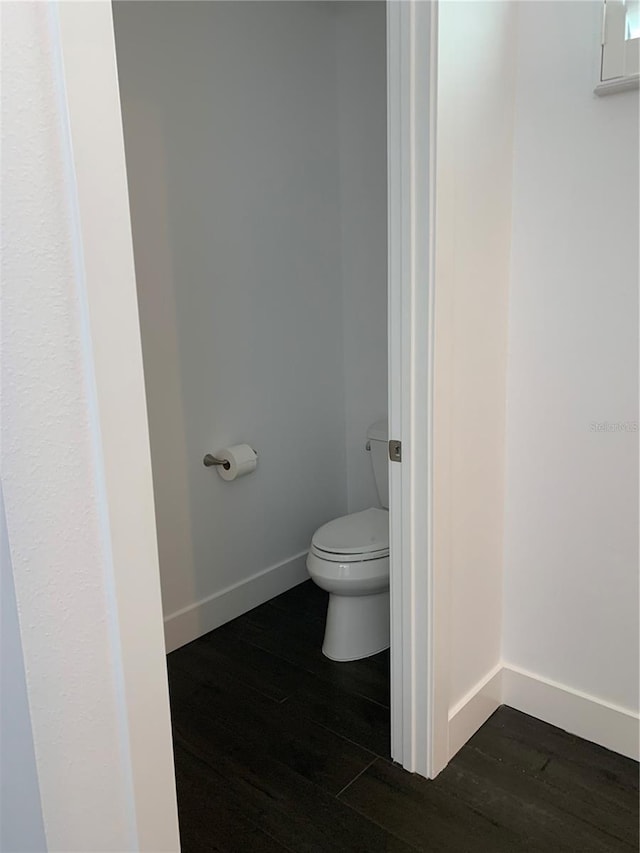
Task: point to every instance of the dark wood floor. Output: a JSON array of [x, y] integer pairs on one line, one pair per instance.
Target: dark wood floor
[[278, 748]]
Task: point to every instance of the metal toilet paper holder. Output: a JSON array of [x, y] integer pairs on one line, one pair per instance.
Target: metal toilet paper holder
[[210, 460]]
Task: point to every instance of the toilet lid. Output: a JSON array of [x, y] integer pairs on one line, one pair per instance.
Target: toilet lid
[[358, 533]]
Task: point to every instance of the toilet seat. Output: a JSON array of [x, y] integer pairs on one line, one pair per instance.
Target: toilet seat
[[349, 577], [350, 555], [328, 557], [360, 536]]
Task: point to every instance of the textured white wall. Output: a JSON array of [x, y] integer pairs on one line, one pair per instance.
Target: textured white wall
[[362, 134], [52, 498], [21, 827], [473, 231], [75, 450], [245, 187], [571, 549]]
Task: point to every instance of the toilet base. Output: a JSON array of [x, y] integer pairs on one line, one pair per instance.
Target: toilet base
[[357, 626]]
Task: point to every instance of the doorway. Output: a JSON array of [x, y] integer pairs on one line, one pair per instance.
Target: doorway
[[255, 137], [404, 44]]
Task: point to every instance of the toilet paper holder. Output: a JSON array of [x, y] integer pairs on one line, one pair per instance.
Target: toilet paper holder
[[210, 460]]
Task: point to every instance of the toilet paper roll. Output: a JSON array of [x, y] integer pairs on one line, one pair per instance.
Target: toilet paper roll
[[242, 460]]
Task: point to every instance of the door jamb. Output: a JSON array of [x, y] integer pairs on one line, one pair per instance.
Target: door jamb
[[419, 694], [91, 118]]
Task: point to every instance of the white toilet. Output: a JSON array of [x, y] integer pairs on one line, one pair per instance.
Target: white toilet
[[349, 557]]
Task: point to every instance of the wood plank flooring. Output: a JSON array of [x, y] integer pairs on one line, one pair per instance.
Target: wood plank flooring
[[278, 748]]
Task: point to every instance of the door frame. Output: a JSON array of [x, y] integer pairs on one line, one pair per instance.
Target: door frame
[[419, 696], [85, 76]]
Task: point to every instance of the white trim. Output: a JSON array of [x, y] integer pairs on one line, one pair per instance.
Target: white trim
[[411, 67], [579, 713], [474, 709], [114, 356], [620, 58], [558, 704], [619, 84], [395, 146], [209, 613]]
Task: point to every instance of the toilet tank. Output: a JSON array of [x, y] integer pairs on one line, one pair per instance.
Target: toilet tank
[[378, 437]]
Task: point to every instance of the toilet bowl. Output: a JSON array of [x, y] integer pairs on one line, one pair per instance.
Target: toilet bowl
[[349, 558]]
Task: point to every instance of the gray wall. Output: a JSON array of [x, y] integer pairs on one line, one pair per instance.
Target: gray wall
[[21, 826], [250, 209], [362, 135]]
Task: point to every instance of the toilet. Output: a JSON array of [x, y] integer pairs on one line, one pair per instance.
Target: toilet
[[349, 558]]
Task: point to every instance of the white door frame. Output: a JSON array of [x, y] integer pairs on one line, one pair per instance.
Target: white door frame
[[419, 712], [92, 139], [96, 139]]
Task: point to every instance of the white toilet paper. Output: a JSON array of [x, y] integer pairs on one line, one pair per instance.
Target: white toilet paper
[[242, 460]]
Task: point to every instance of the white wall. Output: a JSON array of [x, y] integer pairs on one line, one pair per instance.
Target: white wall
[[47, 449], [362, 129], [245, 184], [21, 827], [50, 471], [82, 560], [571, 548], [473, 231]]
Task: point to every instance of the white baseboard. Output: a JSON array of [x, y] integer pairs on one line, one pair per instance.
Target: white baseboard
[[578, 713], [467, 715], [197, 619]]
